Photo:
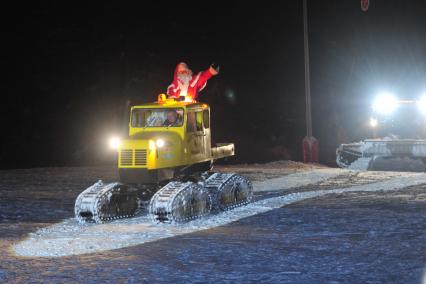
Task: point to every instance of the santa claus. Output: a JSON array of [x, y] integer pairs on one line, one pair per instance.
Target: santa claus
[[185, 85]]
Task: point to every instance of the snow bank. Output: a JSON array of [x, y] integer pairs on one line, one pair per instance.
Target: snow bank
[[71, 238], [297, 179], [361, 164]]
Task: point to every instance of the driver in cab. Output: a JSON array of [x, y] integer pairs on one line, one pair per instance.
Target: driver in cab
[[173, 119]]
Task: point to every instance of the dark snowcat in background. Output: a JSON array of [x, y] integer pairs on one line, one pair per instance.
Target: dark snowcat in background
[[398, 129]]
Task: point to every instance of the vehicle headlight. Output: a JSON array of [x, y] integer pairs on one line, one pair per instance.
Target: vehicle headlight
[[160, 143], [373, 122], [385, 104], [421, 104], [114, 142]]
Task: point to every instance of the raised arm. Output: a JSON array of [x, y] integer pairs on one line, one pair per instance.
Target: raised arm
[[204, 76]]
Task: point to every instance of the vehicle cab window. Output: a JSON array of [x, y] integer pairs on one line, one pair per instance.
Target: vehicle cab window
[[199, 120], [167, 117], [206, 118], [190, 122], [194, 121]]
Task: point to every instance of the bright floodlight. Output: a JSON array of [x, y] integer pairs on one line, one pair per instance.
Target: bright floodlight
[[421, 104], [114, 142], [160, 143], [385, 104]]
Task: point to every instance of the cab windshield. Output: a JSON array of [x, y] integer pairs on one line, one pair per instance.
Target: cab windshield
[[168, 117]]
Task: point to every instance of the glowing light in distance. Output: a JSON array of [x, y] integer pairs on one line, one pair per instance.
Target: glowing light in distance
[[373, 122], [385, 103]]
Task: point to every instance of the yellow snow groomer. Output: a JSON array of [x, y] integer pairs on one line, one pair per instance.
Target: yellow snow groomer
[[166, 162]]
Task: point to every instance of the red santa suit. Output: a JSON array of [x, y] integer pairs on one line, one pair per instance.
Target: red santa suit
[[185, 84]]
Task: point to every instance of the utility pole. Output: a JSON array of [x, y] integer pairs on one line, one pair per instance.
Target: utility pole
[[310, 144], [307, 71]]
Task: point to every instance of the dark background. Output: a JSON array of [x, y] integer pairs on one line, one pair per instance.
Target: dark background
[[71, 67]]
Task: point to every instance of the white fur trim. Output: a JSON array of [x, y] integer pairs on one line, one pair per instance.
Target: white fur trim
[[195, 80], [205, 84]]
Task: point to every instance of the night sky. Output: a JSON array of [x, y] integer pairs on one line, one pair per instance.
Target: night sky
[[72, 68]]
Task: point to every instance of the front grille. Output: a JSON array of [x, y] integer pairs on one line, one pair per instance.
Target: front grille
[[140, 157], [129, 157], [126, 157]]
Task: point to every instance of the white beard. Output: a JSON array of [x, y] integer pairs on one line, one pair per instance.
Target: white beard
[[183, 81]]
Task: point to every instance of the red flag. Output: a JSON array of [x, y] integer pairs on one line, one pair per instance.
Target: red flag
[[364, 5]]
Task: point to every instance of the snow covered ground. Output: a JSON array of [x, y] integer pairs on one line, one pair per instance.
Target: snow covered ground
[[70, 238], [308, 224]]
